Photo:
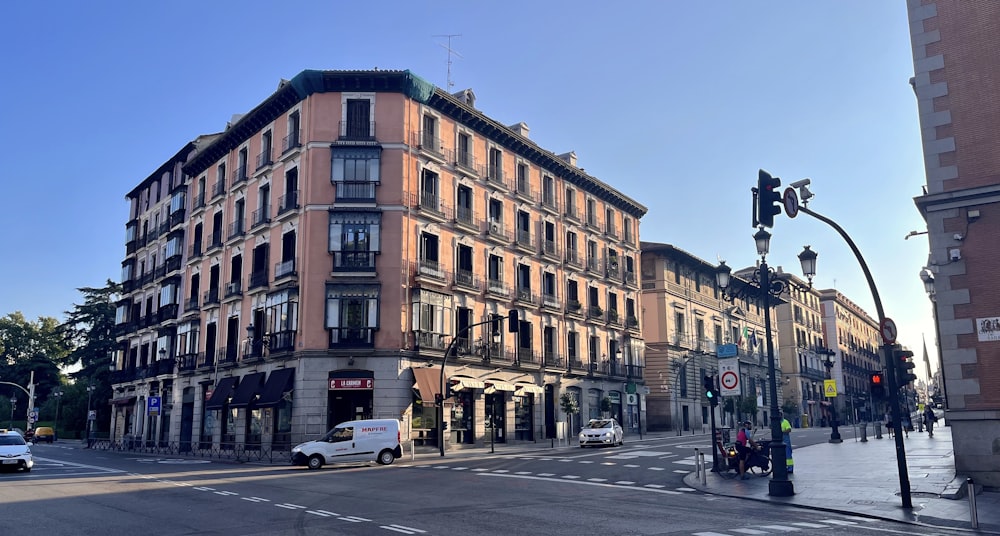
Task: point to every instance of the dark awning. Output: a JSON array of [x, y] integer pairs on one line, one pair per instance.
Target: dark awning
[[246, 394], [122, 401], [221, 393], [278, 383], [428, 382]]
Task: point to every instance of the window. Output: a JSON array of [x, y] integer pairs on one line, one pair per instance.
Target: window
[[354, 240], [168, 294], [494, 274], [570, 203], [220, 179], [287, 264], [548, 191], [464, 150], [264, 158], [429, 190], [593, 263], [549, 238], [573, 294], [549, 343], [609, 222], [524, 282], [572, 345], [241, 164], [432, 314], [495, 208], [549, 285], [429, 258], [523, 182], [463, 271], [261, 260], [523, 228], [359, 124], [429, 135], [463, 205], [290, 198], [355, 172], [352, 314], [292, 141], [282, 319], [591, 213], [496, 165]]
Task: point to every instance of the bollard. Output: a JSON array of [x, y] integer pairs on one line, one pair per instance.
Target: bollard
[[864, 432], [704, 473], [973, 516], [413, 451], [878, 430], [697, 467]]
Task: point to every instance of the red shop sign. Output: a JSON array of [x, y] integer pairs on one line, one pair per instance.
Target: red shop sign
[[351, 383]]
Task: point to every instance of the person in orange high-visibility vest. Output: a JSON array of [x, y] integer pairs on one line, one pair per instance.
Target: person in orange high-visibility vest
[[786, 438]]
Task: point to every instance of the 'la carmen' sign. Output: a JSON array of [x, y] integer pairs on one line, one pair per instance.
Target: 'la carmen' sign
[[342, 384]]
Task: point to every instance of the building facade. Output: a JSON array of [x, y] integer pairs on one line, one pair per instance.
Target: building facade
[[685, 319], [346, 236], [854, 337], [801, 343], [957, 82]]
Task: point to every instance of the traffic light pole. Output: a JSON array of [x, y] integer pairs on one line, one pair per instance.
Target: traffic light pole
[[887, 356]]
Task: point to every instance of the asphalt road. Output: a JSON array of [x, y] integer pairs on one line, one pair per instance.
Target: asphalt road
[[634, 489]]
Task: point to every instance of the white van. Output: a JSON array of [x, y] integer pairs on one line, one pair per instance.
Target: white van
[[352, 441]]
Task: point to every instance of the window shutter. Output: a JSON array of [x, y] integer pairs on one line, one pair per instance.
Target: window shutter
[[336, 232], [333, 312], [338, 170]]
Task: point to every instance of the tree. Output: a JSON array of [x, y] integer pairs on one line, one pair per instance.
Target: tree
[[570, 407], [27, 347]]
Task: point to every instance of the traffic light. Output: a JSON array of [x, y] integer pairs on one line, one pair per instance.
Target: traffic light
[[768, 199], [513, 321], [710, 391], [877, 385], [904, 366]]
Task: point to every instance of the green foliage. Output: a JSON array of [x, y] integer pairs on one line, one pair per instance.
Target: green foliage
[[569, 404], [748, 405], [790, 409], [606, 404]]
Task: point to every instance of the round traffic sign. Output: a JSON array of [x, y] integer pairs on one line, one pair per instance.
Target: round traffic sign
[[729, 379], [888, 330], [791, 200]]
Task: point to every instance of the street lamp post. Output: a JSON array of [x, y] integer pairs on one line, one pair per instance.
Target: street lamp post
[[765, 285], [13, 405], [928, 278], [30, 391], [828, 361], [55, 428], [90, 425]]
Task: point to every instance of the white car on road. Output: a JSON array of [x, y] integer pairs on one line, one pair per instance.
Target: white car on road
[[15, 452], [602, 432]]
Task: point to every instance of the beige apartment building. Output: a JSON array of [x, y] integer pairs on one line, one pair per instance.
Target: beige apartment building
[[802, 349], [854, 335], [685, 319], [328, 252]]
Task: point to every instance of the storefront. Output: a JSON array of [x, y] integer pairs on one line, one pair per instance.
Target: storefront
[[350, 396]]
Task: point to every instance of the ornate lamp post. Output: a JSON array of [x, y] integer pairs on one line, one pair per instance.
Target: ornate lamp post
[[90, 422], [928, 278], [765, 285], [828, 362]]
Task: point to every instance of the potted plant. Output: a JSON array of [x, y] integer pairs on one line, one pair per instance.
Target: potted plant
[[573, 305], [570, 407], [606, 406]]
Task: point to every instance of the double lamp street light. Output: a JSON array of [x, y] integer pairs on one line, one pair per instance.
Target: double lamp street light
[[766, 284]]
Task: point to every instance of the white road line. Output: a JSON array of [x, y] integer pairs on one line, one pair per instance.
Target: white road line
[[501, 471], [203, 488], [441, 467], [480, 469], [523, 473], [255, 499], [809, 525], [288, 506], [608, 463], [353, 519], [586, 461], [656, 469], [459, 468], [546, 474], [227, 493], [631, 465], [685, 489], [839, 522], [404, 528], [527, 458], [570, 478], [654, 486], [668, 456], [182, 484], [750, 531], [856, 518], [394, 529], [782, 528], [681, 471], [546, 459], [321, 513], [597, 480], [565, 460], [624, 482]]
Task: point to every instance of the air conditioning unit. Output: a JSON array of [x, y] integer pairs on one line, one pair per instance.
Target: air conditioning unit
[[494, 227]]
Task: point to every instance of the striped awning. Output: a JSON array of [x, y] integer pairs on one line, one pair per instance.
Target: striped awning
[[493, 386], [459, 383], [528, 388]]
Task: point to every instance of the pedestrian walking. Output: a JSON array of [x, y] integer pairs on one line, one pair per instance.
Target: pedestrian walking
[[888, 424], [929, 419]]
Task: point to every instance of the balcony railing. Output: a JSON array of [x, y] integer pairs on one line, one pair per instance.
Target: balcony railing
[[240, 175], [219, 189], [360, 337], [211, 297], [284, 269], [264, 158], [233, 288], [258, 279], [353, 129], [262, 215], [236, 230], [353, 261], [355, 191], [467, 279], [291, 141], [288, 202]]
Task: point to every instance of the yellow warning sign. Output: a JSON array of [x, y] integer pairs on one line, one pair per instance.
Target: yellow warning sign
[[830, 388]]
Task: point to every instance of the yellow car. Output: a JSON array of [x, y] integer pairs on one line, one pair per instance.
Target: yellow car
[[44, 433]]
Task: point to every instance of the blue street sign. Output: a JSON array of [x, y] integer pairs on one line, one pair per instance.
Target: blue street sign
[[153, 405], [726, 350]]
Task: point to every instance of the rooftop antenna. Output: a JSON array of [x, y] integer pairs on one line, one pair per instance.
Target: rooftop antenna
[[451, 52]]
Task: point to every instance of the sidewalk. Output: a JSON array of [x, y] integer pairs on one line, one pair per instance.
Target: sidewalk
[[863, 479]]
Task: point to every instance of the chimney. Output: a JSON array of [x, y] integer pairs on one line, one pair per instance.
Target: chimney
[[569, 157], [521, 128], [233, 120], [467, 96]]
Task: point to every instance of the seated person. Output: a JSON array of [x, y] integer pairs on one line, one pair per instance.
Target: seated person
[[745, 445]]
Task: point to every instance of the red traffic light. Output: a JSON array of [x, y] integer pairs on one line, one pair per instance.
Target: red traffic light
[[876, 379]]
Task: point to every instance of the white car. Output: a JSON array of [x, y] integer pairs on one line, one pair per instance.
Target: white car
[[602, 432], [15, 452]]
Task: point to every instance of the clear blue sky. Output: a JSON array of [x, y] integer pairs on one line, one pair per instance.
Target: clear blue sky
[[676, 104]]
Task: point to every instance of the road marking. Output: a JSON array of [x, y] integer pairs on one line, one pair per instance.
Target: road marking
[[687, 461], [709, 534], [668, 456], [546, 474], [685, 489], [586, 461], [288, 506], [321, 513], [631, 465], [625, 482], [480, 469], [750, 531], [255, 499], [523, 473], [501, 471], [459, 468], [597, 480], [441, 467], [569, 478], [654, 486], [608, 463], [203, 488], [353, 519], [226, 493], [565, 460], [402, 529], [809, 525], [782, 528], [656, 469], [838, 522]]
